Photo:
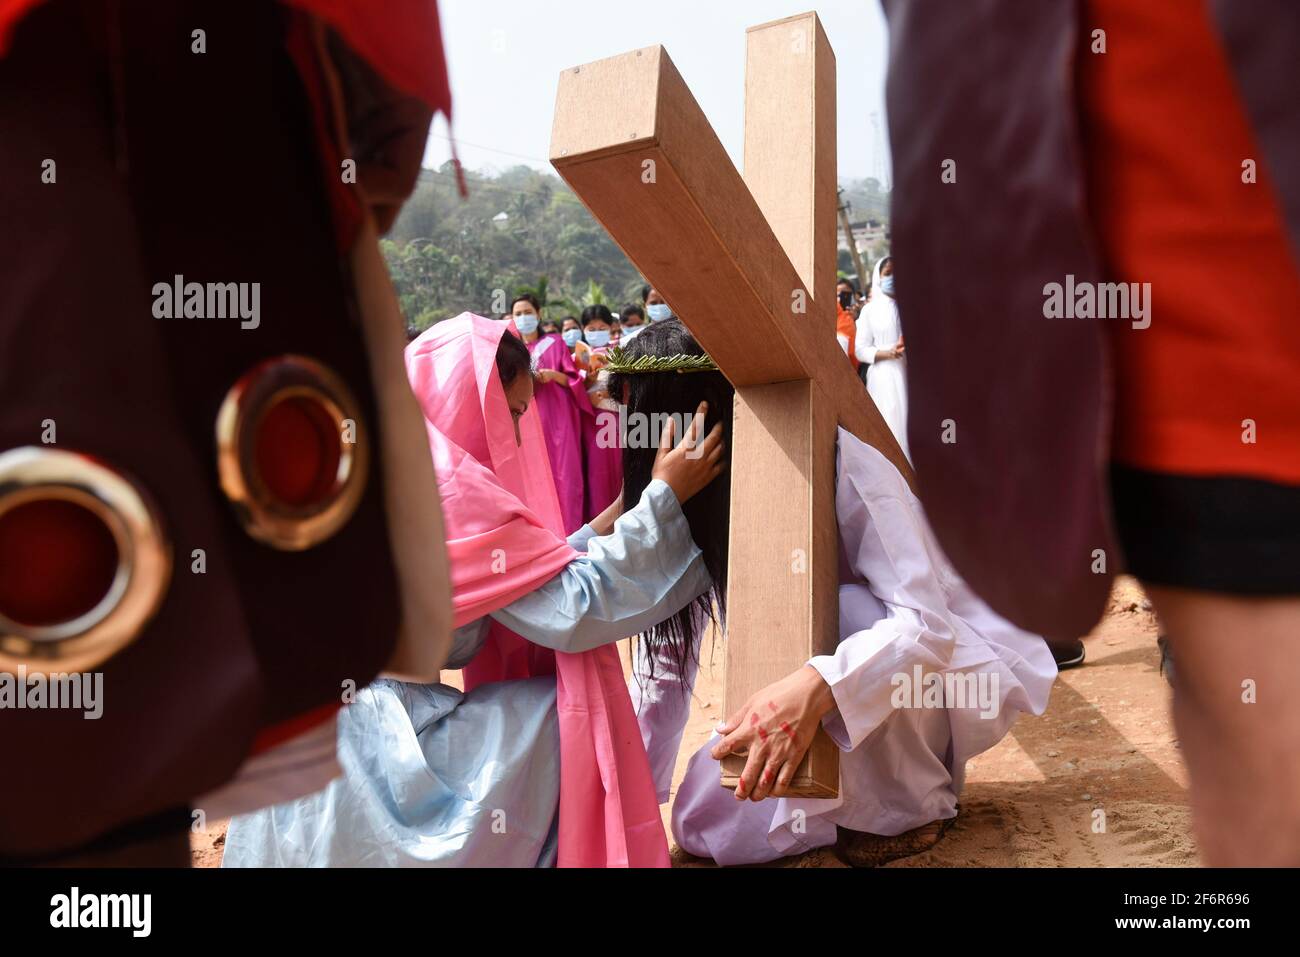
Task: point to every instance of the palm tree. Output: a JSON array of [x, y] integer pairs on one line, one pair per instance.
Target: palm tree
[[541, 291], [595, 295]]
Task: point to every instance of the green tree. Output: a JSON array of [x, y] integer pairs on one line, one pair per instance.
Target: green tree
[[517, 230]]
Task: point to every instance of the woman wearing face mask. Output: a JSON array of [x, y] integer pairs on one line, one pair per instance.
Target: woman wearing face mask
[[562, 405], [878, 344], [633, 321], [571, 333], [543, 739], [600, 437], [656, 307], [597, 323]]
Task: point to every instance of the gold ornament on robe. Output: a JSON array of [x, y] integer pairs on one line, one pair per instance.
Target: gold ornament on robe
[[96, 542]]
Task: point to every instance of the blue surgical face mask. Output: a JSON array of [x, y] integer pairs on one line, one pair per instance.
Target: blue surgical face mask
[[658, 312], [887, 284], [598, 338], [526, 323], [571, 337]]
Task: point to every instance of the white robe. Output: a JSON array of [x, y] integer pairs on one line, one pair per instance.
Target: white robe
[[902, 608], [879, 328]]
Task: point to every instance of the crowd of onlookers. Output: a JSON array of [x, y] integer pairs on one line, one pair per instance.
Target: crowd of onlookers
[[597, 329], [570, 354], [572, 397]]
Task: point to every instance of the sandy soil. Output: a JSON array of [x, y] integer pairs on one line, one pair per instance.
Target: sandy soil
[[1105, 742]]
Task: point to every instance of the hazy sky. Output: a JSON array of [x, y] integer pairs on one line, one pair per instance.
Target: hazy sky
[[505, 57]]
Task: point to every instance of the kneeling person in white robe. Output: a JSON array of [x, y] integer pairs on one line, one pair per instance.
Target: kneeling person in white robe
[[925, 677]]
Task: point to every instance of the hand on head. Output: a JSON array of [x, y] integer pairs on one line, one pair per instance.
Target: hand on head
[[695, 462]]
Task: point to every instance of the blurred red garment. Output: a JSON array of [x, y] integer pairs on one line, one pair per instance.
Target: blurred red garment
[[247, 658], [1165, 134]]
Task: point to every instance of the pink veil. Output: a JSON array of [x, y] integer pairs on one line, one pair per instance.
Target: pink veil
[[504, 540]]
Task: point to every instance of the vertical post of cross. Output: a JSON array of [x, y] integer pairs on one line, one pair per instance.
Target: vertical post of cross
[[783, 598]]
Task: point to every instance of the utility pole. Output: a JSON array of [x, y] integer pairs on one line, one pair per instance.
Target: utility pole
[[848, 236], [877, 153]]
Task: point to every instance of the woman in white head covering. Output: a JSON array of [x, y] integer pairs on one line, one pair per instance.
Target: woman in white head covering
[[879, 346]]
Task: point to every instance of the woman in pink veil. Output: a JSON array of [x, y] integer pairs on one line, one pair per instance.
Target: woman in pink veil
[[539, 761]]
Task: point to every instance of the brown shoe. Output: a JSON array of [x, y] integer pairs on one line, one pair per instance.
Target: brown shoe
[[860, 849]]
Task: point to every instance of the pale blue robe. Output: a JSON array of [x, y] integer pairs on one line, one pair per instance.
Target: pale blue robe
[[436, 777]]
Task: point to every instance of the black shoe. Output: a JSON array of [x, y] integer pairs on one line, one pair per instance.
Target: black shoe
[[859, 849], [1166, 659], [1069, 656]]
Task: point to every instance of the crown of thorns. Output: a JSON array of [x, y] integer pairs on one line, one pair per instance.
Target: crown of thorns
[[619, 361]]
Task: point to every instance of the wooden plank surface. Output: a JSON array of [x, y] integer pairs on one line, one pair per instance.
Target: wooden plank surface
[[783, 584], [783, 593], [790, 149], [736, 258], [696, 232]]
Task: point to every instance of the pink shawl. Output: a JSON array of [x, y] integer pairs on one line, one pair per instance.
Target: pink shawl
[[504, 539]]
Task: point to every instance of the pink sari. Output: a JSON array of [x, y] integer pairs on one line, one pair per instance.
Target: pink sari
[[601, 445], [565, 415], [505, 539]]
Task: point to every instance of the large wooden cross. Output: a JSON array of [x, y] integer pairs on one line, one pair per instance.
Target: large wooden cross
[[749, 265]]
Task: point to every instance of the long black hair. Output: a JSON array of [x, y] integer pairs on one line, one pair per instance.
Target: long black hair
[[708, 512], [513, 358], [596, 313]]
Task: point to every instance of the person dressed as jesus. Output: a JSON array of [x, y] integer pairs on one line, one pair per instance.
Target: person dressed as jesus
[[537, 762], [925, 675]]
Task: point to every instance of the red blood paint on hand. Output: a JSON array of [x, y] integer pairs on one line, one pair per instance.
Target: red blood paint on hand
[[767, 776], [753, 719], [787, 729], [762, 734], [772, 707]]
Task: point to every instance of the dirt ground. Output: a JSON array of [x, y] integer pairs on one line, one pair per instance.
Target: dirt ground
[[1105, 742]]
